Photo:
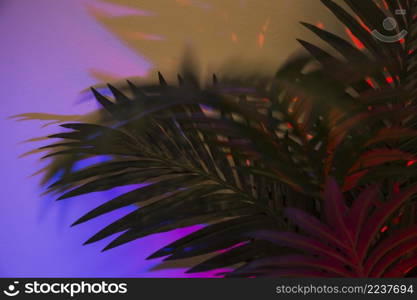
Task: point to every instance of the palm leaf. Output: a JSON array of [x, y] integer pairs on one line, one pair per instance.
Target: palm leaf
[[392, 254], [234, 154]]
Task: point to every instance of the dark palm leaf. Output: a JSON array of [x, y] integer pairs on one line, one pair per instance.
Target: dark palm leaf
[[354, 241], [235, 153], [184, 177], [380, 86]]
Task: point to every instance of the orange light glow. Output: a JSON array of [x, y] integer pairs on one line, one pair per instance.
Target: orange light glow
[[261, 35], [234, 37], [261, 40], [355, 40]]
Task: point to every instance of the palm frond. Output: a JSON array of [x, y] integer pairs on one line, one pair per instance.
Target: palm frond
[[343, 245], [179, 170], [235, 153]]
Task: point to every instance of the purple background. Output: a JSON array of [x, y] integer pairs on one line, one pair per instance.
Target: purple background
[[47, 49]]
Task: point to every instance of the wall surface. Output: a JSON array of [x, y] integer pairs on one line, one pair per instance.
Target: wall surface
[[50, 50]]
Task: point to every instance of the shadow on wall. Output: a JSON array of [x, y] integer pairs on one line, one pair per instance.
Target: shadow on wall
[[48, 48], [54, 49], [259, 33]]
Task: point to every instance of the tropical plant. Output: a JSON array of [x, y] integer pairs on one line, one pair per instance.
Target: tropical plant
[[353, 241], [236, 153]]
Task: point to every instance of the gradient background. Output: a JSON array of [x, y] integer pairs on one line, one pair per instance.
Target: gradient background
[[49, 51]]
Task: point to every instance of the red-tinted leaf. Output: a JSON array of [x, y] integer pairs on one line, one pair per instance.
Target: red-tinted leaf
[[394, 240], [335, 210], [392, 133], [353, 119], [313, 226], [380, 156], [402, 268], [393, 256], [300, 272], [352, 180], [360, 210], [298, 260], [380, 217], [341, 128], [293, 240]]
